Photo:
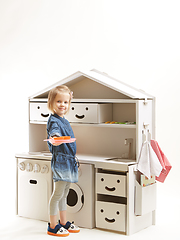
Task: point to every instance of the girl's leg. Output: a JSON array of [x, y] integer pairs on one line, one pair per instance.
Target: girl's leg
[[63, 204], [54, 201], [62, 216], [62, 212], [53, 221]]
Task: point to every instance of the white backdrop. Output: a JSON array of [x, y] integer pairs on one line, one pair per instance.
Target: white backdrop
[[43, 41]]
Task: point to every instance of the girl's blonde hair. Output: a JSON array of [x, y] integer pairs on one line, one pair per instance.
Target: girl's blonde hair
[[52, 95]]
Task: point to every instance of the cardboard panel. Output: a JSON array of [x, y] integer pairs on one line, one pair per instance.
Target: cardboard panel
[[145, 199]]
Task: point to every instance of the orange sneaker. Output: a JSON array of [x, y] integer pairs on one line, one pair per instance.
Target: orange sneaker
[[71, 227], [58, 231]]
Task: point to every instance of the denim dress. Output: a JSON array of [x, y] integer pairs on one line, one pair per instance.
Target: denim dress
[[64, 163]]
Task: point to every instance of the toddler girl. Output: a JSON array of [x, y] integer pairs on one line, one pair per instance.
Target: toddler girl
[[63, 163]]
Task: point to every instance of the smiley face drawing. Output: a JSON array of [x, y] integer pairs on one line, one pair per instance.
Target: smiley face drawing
[[112, 220], [111, 215], [80, 116], [82, 113], [44, 115]]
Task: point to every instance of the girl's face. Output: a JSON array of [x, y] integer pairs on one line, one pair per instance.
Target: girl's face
[[61, 104]]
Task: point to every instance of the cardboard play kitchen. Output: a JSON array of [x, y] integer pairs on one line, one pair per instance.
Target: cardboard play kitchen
[[110, 120]]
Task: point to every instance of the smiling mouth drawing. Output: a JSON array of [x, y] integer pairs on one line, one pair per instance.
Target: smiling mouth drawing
[[110, 220], [110, 189], [80, 117], [44, 115]]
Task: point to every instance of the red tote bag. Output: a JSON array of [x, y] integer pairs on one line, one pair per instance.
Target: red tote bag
[[163, 160]]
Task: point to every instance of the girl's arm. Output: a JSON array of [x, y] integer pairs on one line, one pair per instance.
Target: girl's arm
[[54, 131]]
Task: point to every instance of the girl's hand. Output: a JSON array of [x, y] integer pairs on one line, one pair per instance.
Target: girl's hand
[[55, 144]]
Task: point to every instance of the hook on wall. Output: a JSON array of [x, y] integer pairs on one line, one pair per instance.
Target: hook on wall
[[145, 125], [146, 135]]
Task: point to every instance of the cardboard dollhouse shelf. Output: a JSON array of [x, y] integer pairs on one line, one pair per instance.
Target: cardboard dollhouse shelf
[[91, 82], [109, 149]]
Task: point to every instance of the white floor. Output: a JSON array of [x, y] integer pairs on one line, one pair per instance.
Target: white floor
[[167, 224]]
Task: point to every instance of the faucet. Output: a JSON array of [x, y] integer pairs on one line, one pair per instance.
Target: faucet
[[129, 142]]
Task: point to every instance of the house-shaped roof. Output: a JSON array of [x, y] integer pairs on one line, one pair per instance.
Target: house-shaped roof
[[96, 85]]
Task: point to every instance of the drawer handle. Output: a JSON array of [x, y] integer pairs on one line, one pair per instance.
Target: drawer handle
[[110, 189], [110, 220], [33, 181], [45, 115]]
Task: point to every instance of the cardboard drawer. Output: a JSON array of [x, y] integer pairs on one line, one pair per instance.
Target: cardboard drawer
[[111, 216], [145, 199], [111, 184], [39, 111], [89, 113]]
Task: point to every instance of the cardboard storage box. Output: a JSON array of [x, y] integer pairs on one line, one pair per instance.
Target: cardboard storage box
[[111, 216], [90, 113], [39, 112], [111, 184]]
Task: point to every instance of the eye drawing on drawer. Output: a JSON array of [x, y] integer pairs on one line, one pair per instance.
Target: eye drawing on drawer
[[110, 220], [79, 116]]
